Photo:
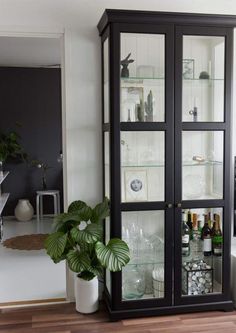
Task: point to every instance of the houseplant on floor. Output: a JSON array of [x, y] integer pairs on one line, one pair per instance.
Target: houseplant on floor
[[78, 240]]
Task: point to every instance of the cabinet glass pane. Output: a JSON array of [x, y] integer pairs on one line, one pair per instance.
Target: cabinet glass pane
[[106, 82], [203, 71], [107, 164], [142, 80], [202, 165], [142, 166], [144, 276], [202, 250]]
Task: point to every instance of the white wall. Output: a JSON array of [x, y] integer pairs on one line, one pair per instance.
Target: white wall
[[80, 17], [83, 71]]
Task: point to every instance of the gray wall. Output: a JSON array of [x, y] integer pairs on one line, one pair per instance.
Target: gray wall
[[32, 98]]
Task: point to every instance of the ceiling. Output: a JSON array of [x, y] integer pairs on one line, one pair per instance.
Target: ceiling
[[29, 52]]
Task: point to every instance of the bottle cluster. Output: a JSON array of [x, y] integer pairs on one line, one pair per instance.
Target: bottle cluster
[[201, 234]]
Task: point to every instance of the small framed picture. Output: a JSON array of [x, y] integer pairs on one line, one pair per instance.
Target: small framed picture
[[136, 185], [188, 69]]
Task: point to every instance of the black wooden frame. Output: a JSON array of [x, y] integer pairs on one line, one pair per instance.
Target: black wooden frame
[[174, 26]]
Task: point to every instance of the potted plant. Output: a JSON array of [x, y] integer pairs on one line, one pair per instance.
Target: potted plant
[[78, 240], [10, 147], [44, 168]]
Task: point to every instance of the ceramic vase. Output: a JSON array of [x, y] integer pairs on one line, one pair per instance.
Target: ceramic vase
[[24, 210], [86, 295]]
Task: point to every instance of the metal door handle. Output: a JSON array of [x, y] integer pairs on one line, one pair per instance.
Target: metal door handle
[[179, 205], [169, 205]]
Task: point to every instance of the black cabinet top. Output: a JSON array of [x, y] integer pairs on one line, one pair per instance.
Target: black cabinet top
[[150, 17]]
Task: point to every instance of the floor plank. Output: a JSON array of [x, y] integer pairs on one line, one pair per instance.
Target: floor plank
[[62, 318]]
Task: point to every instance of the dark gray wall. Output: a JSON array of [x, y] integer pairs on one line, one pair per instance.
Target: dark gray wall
[[32, 98]]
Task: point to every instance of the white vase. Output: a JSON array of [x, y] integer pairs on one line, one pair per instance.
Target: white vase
[[86, 295], [24, 210]]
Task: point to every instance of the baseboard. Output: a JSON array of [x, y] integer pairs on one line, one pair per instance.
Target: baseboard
[[33, 302]]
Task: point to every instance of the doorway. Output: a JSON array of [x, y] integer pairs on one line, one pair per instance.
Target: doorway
[[30, 79]]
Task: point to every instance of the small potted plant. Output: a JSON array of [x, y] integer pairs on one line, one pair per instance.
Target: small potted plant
[[78, 240]]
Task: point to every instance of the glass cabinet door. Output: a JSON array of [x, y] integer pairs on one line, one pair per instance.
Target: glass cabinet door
[[201, 127], [145, 124]]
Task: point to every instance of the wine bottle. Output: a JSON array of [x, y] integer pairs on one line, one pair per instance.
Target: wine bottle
[[207, 241], [209, 220], [217, 238], [190, 223], [195, 244], [185, 236], [203, 224], [195, 227]]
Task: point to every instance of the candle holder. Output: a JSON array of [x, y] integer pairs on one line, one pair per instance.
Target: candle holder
[[197, 278]]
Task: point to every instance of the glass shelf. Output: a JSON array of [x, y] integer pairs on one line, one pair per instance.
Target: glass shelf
[[149, 262], [160, 165], [203, 80], [142, 81], [2, 177], [136, 78], [3, 200]]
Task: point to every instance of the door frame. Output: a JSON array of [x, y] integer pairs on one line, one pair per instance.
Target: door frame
[[64, 36]]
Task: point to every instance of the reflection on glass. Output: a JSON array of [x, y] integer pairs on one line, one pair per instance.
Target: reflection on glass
[[142, 77], [107, 164], [203, 78], [107, 238], [202, 165], [106, 97], [142, 166], [144, 232], [202, 266]]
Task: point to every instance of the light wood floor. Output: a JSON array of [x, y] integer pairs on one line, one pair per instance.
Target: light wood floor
[[64, 319]]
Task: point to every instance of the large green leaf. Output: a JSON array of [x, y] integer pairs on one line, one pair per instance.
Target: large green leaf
[[64, 222], [114, 255], [85, 214], [78, 261], [76, 206], [100, 212], [55, 245], [91, 234]]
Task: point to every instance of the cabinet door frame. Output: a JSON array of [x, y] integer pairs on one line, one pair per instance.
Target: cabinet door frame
[[115, 127], [226, 202]]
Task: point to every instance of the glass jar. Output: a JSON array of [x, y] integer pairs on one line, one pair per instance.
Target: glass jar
[[133, 283]]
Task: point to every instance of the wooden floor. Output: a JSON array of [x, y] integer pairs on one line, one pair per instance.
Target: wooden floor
[[64, 319]]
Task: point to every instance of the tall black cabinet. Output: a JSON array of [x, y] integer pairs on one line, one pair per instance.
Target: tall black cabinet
[[166, 87]]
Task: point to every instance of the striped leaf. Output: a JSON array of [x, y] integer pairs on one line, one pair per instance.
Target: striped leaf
[[114, 255], [91, 234], [78, 261], [85, 213], [55, 245], [76, 206], [64, 222], [100, 212]]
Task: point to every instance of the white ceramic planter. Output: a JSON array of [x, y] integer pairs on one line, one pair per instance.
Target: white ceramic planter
[[86, 295], [24, 210]]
